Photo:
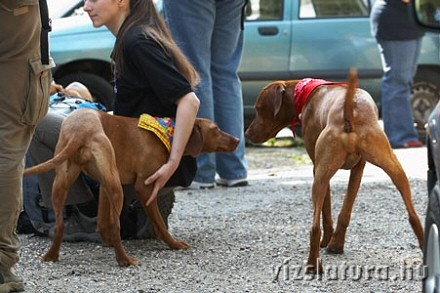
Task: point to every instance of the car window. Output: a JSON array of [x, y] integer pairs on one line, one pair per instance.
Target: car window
[[264, 10], [334, 8], [64, 8]]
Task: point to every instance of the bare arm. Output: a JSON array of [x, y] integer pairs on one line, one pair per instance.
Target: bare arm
[[187, 108]]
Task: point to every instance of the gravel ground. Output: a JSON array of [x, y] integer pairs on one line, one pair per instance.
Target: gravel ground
[[255, 238]]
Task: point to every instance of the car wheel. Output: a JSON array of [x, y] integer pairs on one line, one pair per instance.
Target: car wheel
[[431, 252], [425, 94], [101, 89]]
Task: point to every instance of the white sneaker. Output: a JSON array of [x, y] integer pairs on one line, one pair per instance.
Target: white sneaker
[[232, 182], [200, 185]]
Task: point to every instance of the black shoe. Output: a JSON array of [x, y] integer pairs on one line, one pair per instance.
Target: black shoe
[[79, 227], [24, 225]]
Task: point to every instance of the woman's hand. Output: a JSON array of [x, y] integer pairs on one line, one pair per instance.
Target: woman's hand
[[187, 108], [159, 179]]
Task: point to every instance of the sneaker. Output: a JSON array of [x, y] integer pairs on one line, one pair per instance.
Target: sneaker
[[413, 144], [231, 182], [409, 144], [79, 227], [200, 185], [9, 281]]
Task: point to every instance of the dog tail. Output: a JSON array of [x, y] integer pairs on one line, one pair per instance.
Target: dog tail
[[349, 101], [349, 136], [57, 160]]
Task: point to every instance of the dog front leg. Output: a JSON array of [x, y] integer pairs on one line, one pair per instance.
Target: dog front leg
[[153, 212]]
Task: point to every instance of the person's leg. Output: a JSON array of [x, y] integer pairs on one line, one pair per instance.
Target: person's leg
[[135, 223], [24, 95], [191, 23], [226, 50], [42, 149], [415, 57], [398, 64], [81, 204]]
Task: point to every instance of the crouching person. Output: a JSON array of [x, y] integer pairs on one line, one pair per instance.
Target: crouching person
[[82, 200]]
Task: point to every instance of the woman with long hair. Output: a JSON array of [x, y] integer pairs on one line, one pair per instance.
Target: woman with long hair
[[151, 76]]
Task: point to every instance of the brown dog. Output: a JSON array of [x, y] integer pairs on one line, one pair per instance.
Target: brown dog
[[341, 131], [114, 151]]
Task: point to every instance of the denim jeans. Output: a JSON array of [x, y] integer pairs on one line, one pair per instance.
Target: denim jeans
[[399, 61], [210, 35]]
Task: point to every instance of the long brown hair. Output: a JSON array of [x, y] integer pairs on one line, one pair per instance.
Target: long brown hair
[[143, 13]]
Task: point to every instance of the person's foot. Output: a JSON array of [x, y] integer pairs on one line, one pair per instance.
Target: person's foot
[[78, 227], [9, 281], [200, 185], [410, 144], [413, 144], [231, 182]]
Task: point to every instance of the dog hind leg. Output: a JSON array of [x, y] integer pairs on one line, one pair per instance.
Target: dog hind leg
[[382, 156], [328, 160], [327, 219], [337, 242], [102, 166], [65, 176]]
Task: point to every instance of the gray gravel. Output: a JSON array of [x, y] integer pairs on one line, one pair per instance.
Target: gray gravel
[[254, 239]]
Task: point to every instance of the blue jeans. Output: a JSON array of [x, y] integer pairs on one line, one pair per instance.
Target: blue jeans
[[209, 33], [399, 61]]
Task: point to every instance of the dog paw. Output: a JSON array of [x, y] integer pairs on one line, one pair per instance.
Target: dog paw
[[179, 244], [335, 249], [127, 261], [315, 269], [54, 257], [106, 243], [325, 241]]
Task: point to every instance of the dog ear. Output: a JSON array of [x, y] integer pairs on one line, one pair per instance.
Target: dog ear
[[195, 142], [280, 90]]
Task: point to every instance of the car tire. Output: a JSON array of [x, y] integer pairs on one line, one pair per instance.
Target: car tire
[[431, 253], [425, 94], [101, 89]]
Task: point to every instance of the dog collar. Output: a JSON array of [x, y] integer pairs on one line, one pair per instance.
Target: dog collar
[[163, 127]]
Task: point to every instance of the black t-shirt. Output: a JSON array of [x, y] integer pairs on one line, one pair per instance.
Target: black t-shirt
[[150, 83], [392, 20]]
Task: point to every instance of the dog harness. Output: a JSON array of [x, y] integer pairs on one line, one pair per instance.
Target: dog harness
[[163, 127], [301, 94]]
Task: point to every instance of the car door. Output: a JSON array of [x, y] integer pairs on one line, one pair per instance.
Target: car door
[[267, 48], [331, 36]]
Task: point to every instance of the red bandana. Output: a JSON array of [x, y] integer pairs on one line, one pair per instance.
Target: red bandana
[[302, 92]]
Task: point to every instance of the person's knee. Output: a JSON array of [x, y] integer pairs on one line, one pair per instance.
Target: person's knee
[[79, 90]]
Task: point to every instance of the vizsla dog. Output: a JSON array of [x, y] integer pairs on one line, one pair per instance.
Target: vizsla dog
[[114, 151], [341, 131]]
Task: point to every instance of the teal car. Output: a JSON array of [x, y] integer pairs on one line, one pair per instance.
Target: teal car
[[284, 39]]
